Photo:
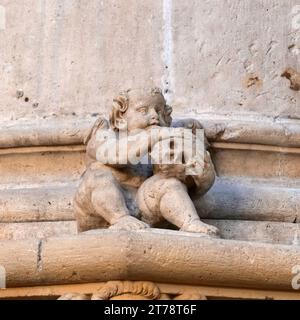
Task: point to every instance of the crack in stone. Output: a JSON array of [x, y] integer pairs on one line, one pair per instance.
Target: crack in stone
[[39, 256]]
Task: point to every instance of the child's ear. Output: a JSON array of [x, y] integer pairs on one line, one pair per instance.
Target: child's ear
[[169, 110], [168, 118], [120, 106]]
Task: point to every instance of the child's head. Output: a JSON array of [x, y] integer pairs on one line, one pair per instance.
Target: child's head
[[140, 109]]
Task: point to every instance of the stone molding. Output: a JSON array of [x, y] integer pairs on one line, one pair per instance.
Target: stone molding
[[244, 130], [105, 255]]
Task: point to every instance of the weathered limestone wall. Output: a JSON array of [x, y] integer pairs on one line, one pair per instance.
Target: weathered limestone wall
[[229, 56], [63, 58], [70, 56]]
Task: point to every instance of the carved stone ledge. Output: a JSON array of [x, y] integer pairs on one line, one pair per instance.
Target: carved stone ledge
[[228, 199], [152, 255]]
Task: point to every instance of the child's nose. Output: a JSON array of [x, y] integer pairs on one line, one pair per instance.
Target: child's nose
[[154, 114]]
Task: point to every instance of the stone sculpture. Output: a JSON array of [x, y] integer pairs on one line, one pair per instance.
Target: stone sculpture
[[125, 196]]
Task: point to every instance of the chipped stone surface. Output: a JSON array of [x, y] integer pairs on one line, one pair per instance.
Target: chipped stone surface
[[294, 77]]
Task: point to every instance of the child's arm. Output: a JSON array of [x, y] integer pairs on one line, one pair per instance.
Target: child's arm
[[141, 143], [91, 141], [204, 181], [191, 124], [103, 144]]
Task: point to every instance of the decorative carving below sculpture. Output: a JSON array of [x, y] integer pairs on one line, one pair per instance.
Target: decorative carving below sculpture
[[128, 196], [131, 290]]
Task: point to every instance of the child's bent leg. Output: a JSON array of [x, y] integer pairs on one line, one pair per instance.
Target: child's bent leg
[[99, 202], [85, 221], [168, 198], [177, 207], [108, 202]]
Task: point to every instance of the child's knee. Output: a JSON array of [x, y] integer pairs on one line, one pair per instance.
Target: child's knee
[[95, 184], [97, 177], [86, 218], [150, 194], [93, 188], [171, 184]]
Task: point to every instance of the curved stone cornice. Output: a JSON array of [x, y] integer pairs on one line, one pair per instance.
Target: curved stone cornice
[[151, 255], [252, 129]]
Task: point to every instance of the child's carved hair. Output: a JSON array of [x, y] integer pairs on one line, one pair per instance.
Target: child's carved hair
[[121, 104], [119, 107]]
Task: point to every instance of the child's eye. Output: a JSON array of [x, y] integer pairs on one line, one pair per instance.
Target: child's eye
[[143, 110]]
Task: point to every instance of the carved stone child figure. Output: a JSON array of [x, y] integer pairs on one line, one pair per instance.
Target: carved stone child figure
[[132, 197]]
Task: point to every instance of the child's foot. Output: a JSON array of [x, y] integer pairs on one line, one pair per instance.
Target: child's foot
[[129, 223], [198, 226]]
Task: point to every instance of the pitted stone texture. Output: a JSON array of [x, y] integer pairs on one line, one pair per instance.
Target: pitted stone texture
[[229, 56], [68, 57]]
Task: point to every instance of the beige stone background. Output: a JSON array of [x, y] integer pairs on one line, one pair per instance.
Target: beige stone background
[[70, 57]]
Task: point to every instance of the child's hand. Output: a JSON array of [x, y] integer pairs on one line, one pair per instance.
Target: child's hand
[[192, 124], [195, 166], [171, 133]]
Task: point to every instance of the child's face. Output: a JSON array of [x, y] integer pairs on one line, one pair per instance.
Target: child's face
[[145, 111]]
